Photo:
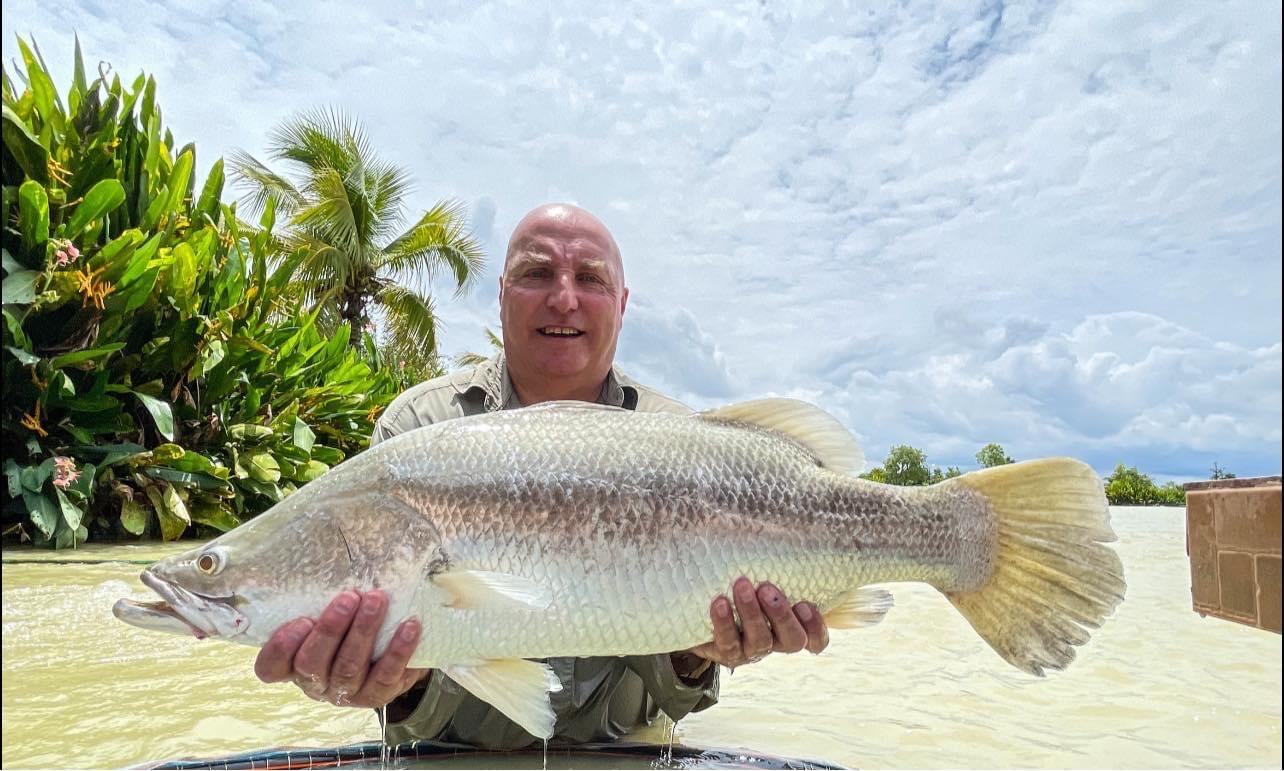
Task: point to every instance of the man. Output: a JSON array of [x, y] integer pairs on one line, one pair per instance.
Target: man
[[562, 298]]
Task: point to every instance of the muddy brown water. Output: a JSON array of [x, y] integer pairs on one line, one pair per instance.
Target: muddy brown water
[[1157, 687]]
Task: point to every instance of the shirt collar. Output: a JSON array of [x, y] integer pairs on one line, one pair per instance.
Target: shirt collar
[[491, 384]]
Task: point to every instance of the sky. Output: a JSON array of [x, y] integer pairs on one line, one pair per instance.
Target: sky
[[1051, 225]]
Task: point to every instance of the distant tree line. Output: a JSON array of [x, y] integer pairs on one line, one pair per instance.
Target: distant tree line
[[906, 465]]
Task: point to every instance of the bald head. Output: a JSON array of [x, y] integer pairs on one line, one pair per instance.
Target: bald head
[[561, 303], [570, 224]]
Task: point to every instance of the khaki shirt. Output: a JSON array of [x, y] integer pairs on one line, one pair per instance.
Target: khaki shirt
[[602, 698]]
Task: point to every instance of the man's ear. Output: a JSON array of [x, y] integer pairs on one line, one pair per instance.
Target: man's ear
[[501, 288], [624, 300]]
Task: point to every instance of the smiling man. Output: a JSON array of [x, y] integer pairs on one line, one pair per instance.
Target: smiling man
[[562, 299]]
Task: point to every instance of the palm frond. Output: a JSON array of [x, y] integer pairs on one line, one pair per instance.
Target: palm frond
[[412, 321], [438, 239], [260, 183], [320, 139]]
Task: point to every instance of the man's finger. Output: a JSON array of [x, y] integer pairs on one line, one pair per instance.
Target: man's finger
[[275, 662], [726, 637], [754, 630], [312, 662], [814, 624], [352, 662], [384, 682], [790, 637]]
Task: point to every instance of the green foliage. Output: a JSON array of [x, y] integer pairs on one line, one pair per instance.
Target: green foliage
[[906, 465], [344, 210], [1129, 487], [159, 373], [992, 455]]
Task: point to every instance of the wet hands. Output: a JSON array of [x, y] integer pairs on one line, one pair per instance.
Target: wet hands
[[768, 623], [329, 659]]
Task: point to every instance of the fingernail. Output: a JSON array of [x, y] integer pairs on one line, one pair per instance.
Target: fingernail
[[804, 612], [346, 603], [722, 607], [371, 604], [744, 590], [409, 630]]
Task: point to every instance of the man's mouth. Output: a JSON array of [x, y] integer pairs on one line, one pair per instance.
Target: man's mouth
[[560, 331]]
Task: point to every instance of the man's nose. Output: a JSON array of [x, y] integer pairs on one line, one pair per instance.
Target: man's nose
[[563, 298]]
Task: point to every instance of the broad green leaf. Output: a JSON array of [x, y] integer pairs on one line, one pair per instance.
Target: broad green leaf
[[262, 467], [19, 288], [208, 204], [211, 355], [43, 512], [270, 491], [27, 150], [93, 404], [133, 517], [187, 478], [23, 356], [248, 431], [33, 216], [76, 357], [214, 514], [167, 452], [13, 474], [303, 436], [314, 469], [160, 412], [172, 512], [71, 513], [101, 198], [178, 179], [328, 455], [84, 484]]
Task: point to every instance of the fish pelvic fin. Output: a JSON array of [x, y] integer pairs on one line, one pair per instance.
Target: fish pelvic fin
[[516, 687], [862, 607], [807, 425], [1053, 575]]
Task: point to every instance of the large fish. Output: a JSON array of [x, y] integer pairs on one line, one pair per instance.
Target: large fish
[[572, 529]]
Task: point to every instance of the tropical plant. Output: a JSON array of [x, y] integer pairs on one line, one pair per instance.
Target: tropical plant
[[472, 359], [343, 207], [158, 374]]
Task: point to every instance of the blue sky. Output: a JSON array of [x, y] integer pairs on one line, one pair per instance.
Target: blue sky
[[1051, 225]]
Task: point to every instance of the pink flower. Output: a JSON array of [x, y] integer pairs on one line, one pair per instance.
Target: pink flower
[[64, 472], [72, 250], [63, 257]]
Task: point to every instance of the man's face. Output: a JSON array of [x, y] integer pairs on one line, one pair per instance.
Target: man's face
[[561, 297]]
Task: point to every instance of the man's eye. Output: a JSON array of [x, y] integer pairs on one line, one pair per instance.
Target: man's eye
[[590, 278], [537, 273]]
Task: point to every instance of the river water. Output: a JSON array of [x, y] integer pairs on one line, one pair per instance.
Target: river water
[[1157, 687]]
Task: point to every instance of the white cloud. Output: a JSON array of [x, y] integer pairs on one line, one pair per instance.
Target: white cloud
[[957, 222]]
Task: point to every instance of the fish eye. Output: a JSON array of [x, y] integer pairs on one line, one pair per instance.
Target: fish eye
[[208, 563]]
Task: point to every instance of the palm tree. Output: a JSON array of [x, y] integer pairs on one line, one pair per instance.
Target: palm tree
[[344, 208], [472, 359]]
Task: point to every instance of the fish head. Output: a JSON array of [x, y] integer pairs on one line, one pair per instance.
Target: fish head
[[288, 562]]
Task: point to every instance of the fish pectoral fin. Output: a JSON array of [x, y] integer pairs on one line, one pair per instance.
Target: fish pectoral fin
[[807, 425], [484, 589], [865, 606], [516, 687]]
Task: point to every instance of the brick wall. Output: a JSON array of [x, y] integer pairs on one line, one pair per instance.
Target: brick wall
[[1233, 540]]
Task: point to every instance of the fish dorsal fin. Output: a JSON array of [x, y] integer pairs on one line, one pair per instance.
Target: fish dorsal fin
[[516, 687], [865, 606], [483, 590], [817, 431]]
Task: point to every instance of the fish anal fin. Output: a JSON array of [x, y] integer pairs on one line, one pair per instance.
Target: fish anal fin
[[807, 425], [865, 606], [516, 687], [489, 590]]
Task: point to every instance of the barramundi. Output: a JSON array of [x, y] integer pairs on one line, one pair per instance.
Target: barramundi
[[574, 529]]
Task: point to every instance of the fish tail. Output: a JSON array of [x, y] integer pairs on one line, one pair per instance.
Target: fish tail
[[1053, 574]]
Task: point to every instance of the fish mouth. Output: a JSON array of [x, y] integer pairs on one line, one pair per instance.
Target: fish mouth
[[182, 611]]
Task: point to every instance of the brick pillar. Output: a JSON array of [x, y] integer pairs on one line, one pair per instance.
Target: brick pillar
[[1233, 539]]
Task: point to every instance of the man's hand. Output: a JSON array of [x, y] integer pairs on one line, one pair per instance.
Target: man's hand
[[330, 659], [767, 623]]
